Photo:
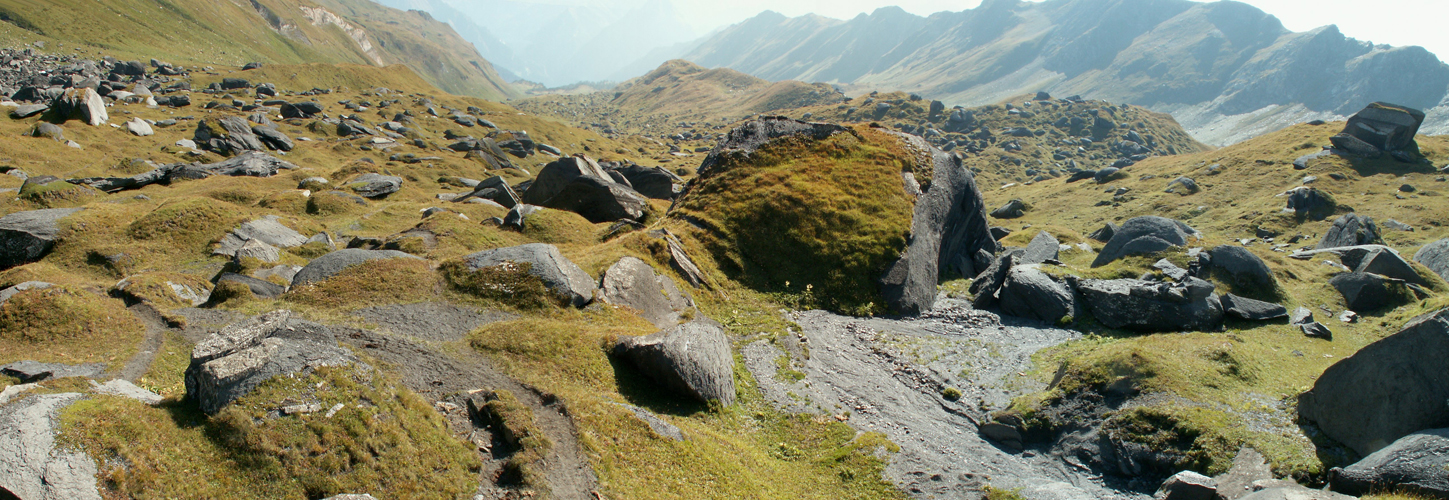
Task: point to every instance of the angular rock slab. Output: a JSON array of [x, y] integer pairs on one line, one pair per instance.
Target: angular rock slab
[[231, 363], [329, 265], [1417, 463], [267, 230], [562, 276], [31, 466], [27, 236], [375, 185], [598, 200], [1435, 256], [1148, 306], [1030, 293], [1351, 230], [1143, 235], [554, 176], [631, 282], [693, 358], [1387, 390]]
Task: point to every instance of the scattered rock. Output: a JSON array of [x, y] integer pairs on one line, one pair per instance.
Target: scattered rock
[[139, 127], [1309, 202], [1385, 261], [1380, 394], [48, 130], [599, 200], [125, 389], [1243, 269], [1043, 247], [1187, 485], [1252, 310], [1435, 256], [693, 358], [559, 274], [329, 265], [267, 229], [1368, 292], [374, 186], [1295, 493], [1011, 210], [228, 135], [1397, 226], [1143, 235], [558, 174], [1183, 186], [1351, 230], [1030, 293], [232, 362], [495, 189], [631, 282], [1104, 234]]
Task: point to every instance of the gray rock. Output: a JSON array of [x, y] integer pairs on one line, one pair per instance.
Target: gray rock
[[680, 261], [1308, 202], [1030, 293], [267, 229], [1351, 257], [632, 283], [1043, 247], [1351, 230], [1146, 306], [34, 371], [747, 138], [1295, 493], [32, 466], [1143, 235], [7, 293], [984, 287], [260, 288], [1367, 292], [1301, 316], [656, 182], [1105, 234], [373, 185], [285, 272], [27, 236], [1387, 390], [1248, 467], [1243, 269], [125, 389], [559, 274], [1183, 185], [329, 265], [1011, 210], [1380, 128], [495, 189], [1302, 162], [229, 135], [660, 427], [273, 138], [139, 127], [1416, 464], [692, 358], [1435, 256], [1106, 175], [28, 110], [518, 216], [558, 174], [255, 249], [1386, 262], [999, 233], [1187, 485], [82, 104], [1252, 310], [1170, 269], [231, 363], [48, 130], [598, 200]]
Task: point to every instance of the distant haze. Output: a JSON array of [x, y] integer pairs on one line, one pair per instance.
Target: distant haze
[[557, 42]]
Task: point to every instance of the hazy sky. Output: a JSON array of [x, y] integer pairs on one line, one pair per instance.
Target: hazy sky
[[1395, 22]]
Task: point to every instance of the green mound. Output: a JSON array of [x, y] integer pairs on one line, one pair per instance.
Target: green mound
[[65, 324], [819, 220]]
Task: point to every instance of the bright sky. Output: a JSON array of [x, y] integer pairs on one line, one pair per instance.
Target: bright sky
[[1394, 22]]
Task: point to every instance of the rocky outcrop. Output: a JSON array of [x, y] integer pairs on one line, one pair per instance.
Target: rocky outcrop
[[1309, 203], [329, 265], [693, 358], [496, 189], [744, 140], [559, 274], [231, 363], [1435, 256], [1241, 268], [251, 164], [632, 283], [1252, 310], [1416, 464], [372, 185], [656, 182], [259, 288], [28, 236], [1351, 230], [32, 467], [82, 104], [228, 135], [1030, 293], [1043, 247], [1148, 306], [1387, 390], [554, 176], [267, 230], [599, 200], [1143, 235], [1381, 128], [1369, 292]]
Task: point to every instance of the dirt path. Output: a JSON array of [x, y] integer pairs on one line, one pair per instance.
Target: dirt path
[[155, 336], [887, 375]]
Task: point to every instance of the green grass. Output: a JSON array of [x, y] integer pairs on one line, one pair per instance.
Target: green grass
[[375, 282], [385, 440]]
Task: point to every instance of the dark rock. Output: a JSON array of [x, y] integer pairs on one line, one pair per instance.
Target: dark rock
[[1416, 464], [598, 200], [266, 90], [329, 265], [558, 273], [231, 363], [27, 236], [1106, 175], [998, 232], [693, 358], [1183, 185], [657, 183], [1380, 128], [1435, 256], [129, 68], [1301, 316], [234, 84], [1387, 390], [1243, 269], [28, 110], [1307, 202], [1252, 310], [518, 216], [1143, 235], [1011, 210], [1351, 230], [1369, 292], [1386, 262], [496, 189], [81, 104], [251, 66], [273, 138], [1105, 234], [1146, 306], [1042, 248], [1030, 293], [632, 283], [372, 185], [745, 139], [228, 135], [558, 174], [1007, 435], [260, 288], [988, 283], [306, 109], [1187, 485]]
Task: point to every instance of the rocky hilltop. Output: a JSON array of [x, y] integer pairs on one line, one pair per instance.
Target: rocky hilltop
[[1226, 70]]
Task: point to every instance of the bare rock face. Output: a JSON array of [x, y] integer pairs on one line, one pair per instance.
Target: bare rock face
[[31, 467], [1417, 463], [28, 236], [82, 104], [632, 283], [231, 363], [554, 176], [228, 136], [1380, 128], [557, 272], [693, 358], [1147, 306]]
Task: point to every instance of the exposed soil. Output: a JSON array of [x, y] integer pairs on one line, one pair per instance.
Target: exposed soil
[[887, 375], [146, 353]]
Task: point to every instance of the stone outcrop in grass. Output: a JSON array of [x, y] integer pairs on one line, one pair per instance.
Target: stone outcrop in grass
[[233, 362], [694, 359], [28, 236]]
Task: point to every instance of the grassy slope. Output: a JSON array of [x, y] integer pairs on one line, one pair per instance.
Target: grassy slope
[[747, 450], [1221, 390], [233, 33]]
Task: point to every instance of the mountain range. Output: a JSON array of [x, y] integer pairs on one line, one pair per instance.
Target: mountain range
[[1226, 70]]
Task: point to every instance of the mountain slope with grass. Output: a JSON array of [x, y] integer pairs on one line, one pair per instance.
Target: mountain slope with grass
[[1226, 70], [231, 33]]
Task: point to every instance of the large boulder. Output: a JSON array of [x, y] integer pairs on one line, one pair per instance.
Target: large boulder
[[1148, 306], [496, 189], [1144, 235], [231, 363], [1243, 269], [654, 182], [82, 104], [743, 141], [1030, 293], [558, 174], [373, 185], [948, 229], [1351, 230], [1386, 261], [267, 229], [1380, 128], [273, 138], [599, 200], [1310, 203], [562, 276], [28, 236], [692, 358], [1370, 292], [1011, 210], [329, 265], [632, 283], [1417, 463], [228, 135], [1252, 310], [1435, 256], [32, 466], [1043, 247], [1187, 485], [1385, 391]]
